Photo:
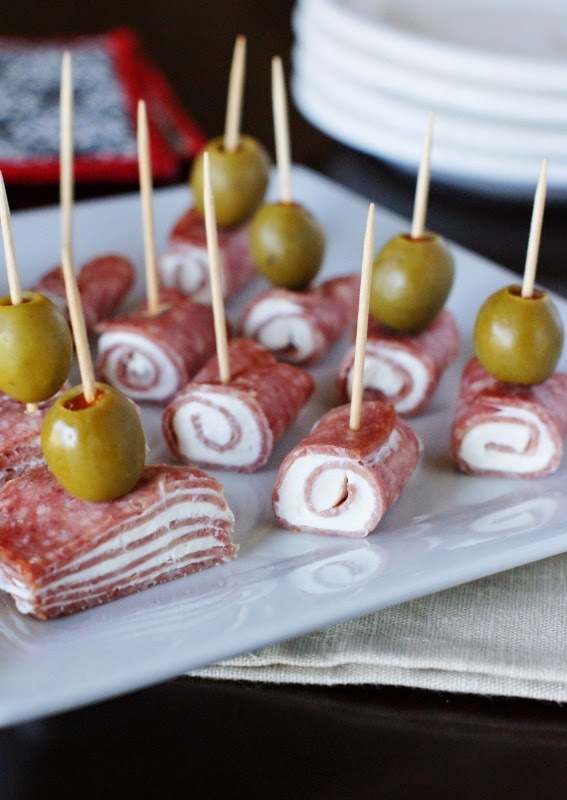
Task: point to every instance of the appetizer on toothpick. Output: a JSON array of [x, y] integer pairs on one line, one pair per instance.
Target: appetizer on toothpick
[[412, 339], [512, 409], [92, 437], [103, 281], [413, 273], [36, 349], [239, 175], [153, 351], [287, 242], [349, 470], [105, 525], [241, 403]]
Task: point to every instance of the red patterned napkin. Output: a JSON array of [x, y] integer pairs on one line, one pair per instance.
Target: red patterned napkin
[[110, 73]]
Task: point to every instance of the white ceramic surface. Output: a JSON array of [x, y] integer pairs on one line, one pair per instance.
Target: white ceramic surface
[[446, 528], [484, 171], [479, 103], [508, 43], [503, 140]]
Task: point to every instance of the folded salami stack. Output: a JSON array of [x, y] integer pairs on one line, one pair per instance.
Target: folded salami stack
[[20, 431], [59, 554], [103, 285], [185, 263], [236, 425], [300, 327], [400, 368], [507, 430], [339, 481], [150, 357]]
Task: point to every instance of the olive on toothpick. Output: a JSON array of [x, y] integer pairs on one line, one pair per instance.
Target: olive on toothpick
[[92, 437], [518, 334], [36, 349], [413, 273], [286, 241], [240, 166]]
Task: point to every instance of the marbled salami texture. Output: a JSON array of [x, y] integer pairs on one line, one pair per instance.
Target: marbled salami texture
[[185, 263], [403, 369], [59, 554], [507, 430], [300, 327], [103, 285], [342, 482], [236, 425], [150, 357]]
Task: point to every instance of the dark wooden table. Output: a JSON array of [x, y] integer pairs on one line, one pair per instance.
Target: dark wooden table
[[204, 739]]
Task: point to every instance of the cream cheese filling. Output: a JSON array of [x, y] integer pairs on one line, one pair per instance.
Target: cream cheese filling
[[278, 324], [380, 373], [511, 430], [143, 362]]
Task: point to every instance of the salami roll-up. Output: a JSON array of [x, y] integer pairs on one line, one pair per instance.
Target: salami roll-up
[[506, 430], [342, 482], [20, 432], [103, 285], [300, 327], [185, 263], [149, 357], [403, 369], [236, 425], [59, 554]]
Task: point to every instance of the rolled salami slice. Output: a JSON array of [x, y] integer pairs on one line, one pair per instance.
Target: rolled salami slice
[[150, 357], [20, 431], [103, 284], [404, 370], [236, 425], [185, 263], [509, 431], [342, 482], [300, 327], [59, 554]]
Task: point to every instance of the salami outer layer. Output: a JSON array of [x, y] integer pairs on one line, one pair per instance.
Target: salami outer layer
[[20, 431], [185, 263], [150, 357], [103, 284], [59, 554], [236, 425], [404, 370], [299, 327], [509, 431], [342, 482]]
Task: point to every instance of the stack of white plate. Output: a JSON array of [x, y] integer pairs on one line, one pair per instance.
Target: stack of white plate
[[367, 72]]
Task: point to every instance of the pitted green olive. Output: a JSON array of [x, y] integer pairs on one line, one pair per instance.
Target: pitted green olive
[[36, 348], [411, 280], [239, 179], [287, 244], [95, 450], [518, 339]]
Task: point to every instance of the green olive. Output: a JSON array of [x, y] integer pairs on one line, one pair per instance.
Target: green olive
[[96, 451], [239, 179], [287, 244], [36, 348], [518, 339], [411, 280]]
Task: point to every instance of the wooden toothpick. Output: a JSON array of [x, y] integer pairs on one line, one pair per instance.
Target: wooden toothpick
[[146, 189], [216, 279], [422, 186], [79, 328], [535, 233], [362, 323], [234, 101], [66, 153], [9, 249], [281, 129]]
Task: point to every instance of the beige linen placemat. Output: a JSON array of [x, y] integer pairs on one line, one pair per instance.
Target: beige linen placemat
[[503, 635]]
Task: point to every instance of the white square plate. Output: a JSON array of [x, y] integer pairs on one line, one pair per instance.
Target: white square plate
[[445, 529]]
